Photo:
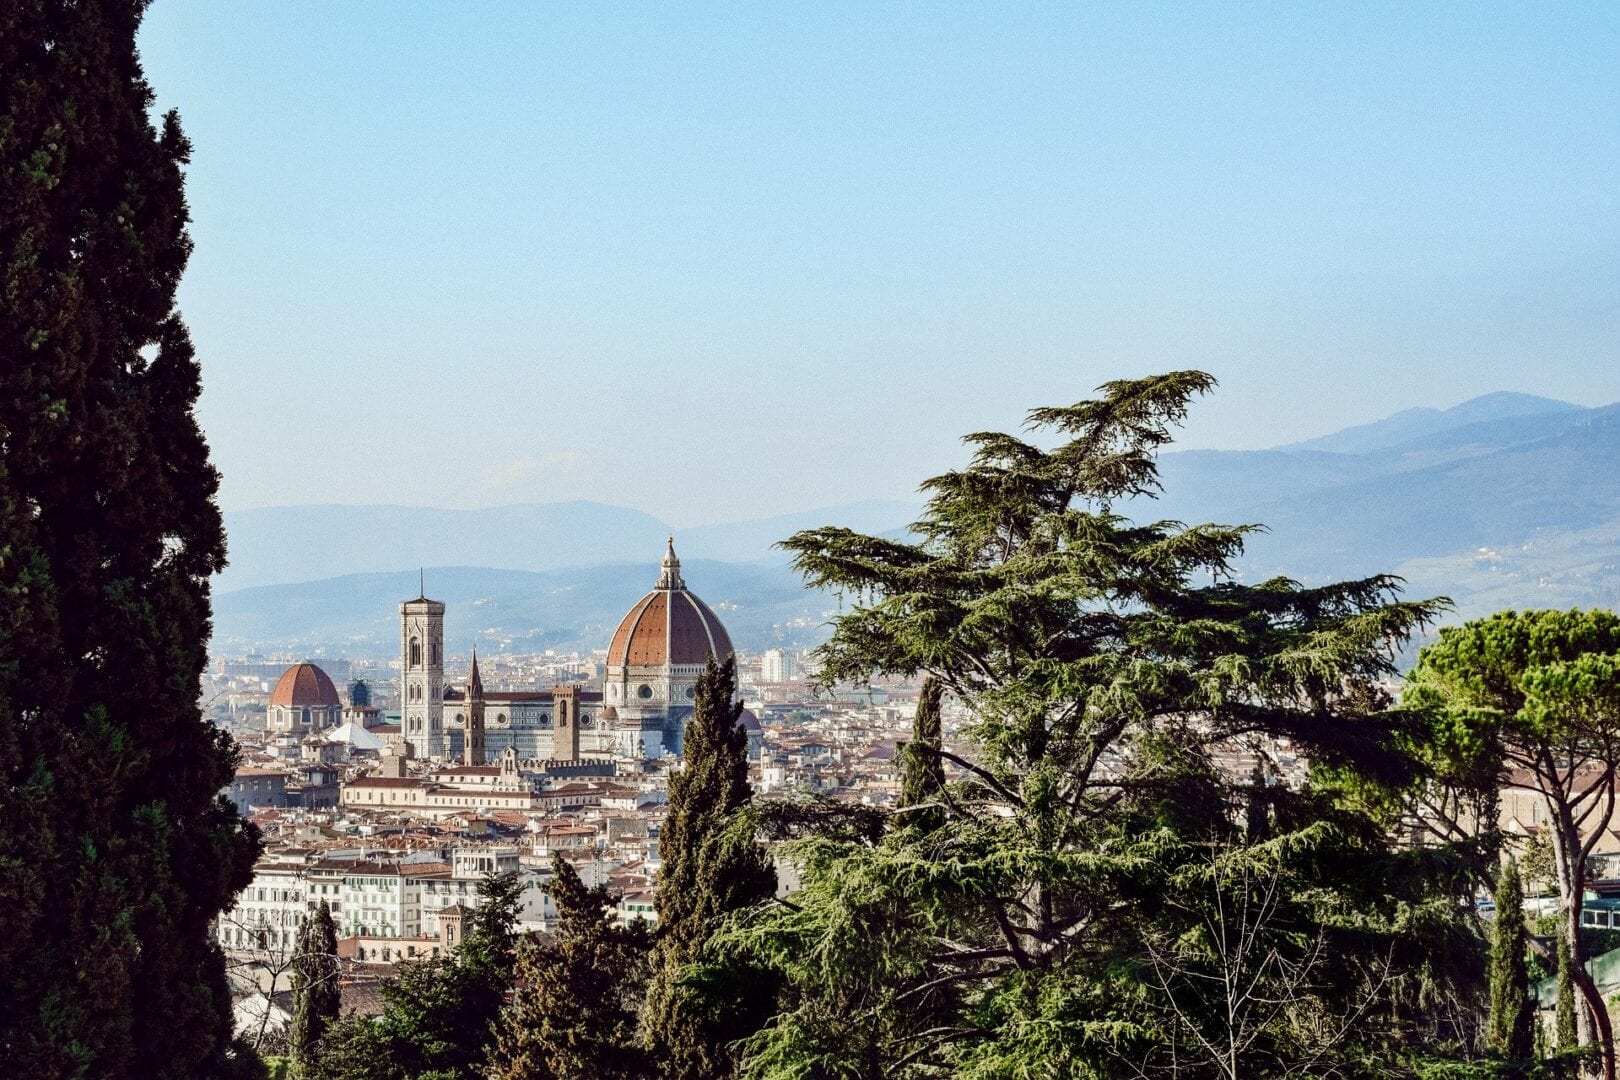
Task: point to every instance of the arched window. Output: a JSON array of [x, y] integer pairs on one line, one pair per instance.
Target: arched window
[[437, 659], [416, 653]]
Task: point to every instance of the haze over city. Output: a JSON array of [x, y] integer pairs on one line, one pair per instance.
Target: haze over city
[[729, 262]]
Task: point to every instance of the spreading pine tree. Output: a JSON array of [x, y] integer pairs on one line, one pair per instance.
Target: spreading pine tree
[[316, 993], [712, 866], [116, 849], [1056, 923], [1508, 1034], [573, 1009]]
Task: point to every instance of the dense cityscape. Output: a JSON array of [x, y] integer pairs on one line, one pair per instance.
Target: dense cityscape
[[393, 818]]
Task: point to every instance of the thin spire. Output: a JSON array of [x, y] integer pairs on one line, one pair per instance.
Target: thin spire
[[421, 583], [475, 684]]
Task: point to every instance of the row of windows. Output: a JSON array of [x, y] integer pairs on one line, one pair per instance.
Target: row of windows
[[256, 939], [279, 896], [386, 954]]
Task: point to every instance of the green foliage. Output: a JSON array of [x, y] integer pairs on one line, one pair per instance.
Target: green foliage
[[922, 781], [573, 1014], [1508, 1034], [713, 865], [1057, 921], [116, 850], [1564, 1016], [316, 993], [1535, 695], [490, 940], [438, 1013]]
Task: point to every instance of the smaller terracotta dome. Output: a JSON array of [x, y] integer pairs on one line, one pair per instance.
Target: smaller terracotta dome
[[748, 721], [305, 685]]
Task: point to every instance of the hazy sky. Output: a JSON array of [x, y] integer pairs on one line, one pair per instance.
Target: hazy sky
[[721, 262]]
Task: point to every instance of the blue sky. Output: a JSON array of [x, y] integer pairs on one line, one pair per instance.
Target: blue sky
[[720, 262]]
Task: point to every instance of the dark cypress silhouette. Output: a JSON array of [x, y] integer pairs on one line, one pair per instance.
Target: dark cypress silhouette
[[116, 849], [922, 778], [712, 866], [316, 994]]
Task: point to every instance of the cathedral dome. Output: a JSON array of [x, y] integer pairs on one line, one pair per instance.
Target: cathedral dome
[[668, 626], [304, 684]]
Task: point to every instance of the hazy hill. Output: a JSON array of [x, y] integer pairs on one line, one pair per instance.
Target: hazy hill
[[1415, 423], [358, 614], [1506, 500], [1521, 510], [289, 544]]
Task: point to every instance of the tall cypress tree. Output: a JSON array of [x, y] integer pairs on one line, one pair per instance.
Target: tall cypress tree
[[316, 994], [1564, 1014], [922, 776], [712, 865], [572, 1014], [116, 849], [1508, 1034]]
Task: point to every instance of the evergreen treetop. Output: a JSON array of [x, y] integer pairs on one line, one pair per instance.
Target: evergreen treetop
[[922, 778], [116, 849], [317, 995], [573, 1013], [1110, 668], [713, 866], [1509, 1037]]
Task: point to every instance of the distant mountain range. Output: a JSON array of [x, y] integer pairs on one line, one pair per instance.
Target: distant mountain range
[[1519, 509], [762, 604], [290, 544], [1506, 500]]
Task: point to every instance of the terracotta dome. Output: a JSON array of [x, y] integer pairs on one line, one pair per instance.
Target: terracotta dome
[[668, 626], [305, 684]]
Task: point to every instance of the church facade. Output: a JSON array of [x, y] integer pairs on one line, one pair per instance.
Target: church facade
[[639, 711]]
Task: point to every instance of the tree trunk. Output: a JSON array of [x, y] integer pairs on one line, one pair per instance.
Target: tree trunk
[[1591, 1023]]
